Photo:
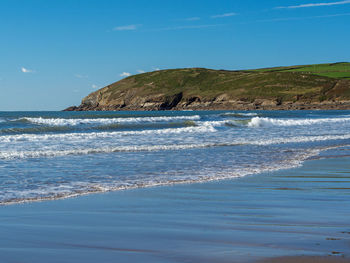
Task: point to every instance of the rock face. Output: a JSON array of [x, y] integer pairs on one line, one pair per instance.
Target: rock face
[[204, 89]]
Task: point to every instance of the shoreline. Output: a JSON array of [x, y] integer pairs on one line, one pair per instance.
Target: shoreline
[[315, 154], [204, 89], [282, 213], [237, 106], [303, 259]]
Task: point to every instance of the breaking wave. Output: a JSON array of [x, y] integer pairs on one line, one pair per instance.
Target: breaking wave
[[93, 135], [268, 122], [75, 189], [34, 130], [138, 148], [151, 148], [98, 152], [114, 126], [74, 122], [240, 115]]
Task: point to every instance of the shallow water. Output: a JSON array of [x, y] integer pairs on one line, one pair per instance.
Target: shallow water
[[50, 155], [301, 211]]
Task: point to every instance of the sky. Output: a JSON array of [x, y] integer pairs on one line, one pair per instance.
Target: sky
[[54, 53]]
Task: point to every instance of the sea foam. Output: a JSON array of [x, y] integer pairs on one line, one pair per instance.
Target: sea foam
[[93, 135], [150, 148], [70, 154], [77, 188], [74, 122], [267, 122]]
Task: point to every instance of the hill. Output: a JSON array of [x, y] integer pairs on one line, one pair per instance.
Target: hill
[[322, 86]]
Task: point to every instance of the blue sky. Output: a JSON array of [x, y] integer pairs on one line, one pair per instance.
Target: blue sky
[[53, 53]]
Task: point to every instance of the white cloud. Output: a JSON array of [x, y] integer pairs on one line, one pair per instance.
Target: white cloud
[[224, 15], [79, 76], [25, 70], [315, 5], [94, 86], [126, 28], [301, 18], [196, 18], [156, 69], [140, 71], [186, 27], [125, 74]]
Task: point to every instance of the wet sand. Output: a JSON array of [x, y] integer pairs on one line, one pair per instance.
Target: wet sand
[[306, 260], [298, 212]]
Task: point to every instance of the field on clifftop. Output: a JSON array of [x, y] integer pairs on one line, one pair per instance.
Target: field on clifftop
[[335, 70]]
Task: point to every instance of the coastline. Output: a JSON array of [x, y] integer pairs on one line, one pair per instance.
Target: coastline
[[298, 212], [221, 105], [281, 88], [302, 259]]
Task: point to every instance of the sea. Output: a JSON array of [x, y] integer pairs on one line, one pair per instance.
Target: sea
[[54, 155]]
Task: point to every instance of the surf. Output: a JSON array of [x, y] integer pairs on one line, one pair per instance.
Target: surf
[[94, 121], [268, 122]]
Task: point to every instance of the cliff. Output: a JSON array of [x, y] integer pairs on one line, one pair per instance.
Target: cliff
[[324, 86]]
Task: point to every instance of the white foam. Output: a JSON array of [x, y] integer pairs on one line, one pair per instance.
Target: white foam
[[243, 114], [214, 123], [136, 148], [74, 189], [103, 121], [223, 123], [55, 153], [300, 139], [267, 122], [93, 135]]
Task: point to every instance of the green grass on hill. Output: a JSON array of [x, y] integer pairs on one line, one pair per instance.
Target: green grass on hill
[[336, 70], [324, 82]]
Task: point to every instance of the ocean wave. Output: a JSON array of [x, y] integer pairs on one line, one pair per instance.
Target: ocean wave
[[138, 148], [125, 152], [93, 135], [75, 189], [29, 130], [106, 127], [239, 114], [118, 114], [151, 125], [149, 148], [227, 122], [74, 122], [300, 139], [268, 122]]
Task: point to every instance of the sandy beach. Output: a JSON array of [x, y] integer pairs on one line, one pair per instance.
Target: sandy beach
[[175, 131], [310, 259], [299, 212]]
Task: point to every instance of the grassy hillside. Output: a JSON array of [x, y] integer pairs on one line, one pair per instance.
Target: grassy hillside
[[283, 83], [181, 87]]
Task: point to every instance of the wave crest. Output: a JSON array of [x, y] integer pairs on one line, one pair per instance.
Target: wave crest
[[151, 148], [74, 122], [93, 135], [268, 122]]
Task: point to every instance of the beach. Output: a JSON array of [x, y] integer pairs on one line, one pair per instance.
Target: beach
[[175, 131], [302, 211], [175, 186]]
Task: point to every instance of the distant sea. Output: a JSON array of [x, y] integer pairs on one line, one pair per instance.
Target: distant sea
[[51, 155]]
